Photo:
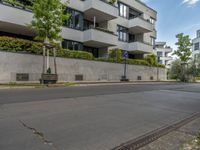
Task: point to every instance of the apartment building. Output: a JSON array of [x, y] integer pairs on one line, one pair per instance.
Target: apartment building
[[196, 45], [95, 26], [163, 51]]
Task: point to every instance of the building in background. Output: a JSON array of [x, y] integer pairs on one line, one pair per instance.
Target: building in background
[[163, 53], [196, 45], [95, 26]]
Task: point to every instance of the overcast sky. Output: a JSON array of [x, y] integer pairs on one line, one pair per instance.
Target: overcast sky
[[176, 16]]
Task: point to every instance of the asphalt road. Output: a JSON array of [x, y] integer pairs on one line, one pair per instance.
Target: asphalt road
[[42, 94], [90, 117]]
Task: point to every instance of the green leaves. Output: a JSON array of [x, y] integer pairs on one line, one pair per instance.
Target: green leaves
[[48, 19], [184, 47], [10, 44], [116, 54], [19, 45]]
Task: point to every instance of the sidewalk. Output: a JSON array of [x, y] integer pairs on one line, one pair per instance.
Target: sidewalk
[[178, 139], [78, 83]]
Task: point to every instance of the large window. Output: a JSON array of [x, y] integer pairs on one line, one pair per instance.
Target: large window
[[94, 51], [196, 46], [159, 54], [76, 19], [122, 34], [123, 10], [72, 45], [152, 20], [153, 42]]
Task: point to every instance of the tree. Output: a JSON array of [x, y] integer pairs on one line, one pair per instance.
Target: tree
[[175, 70], [48, 19], [184, 47]]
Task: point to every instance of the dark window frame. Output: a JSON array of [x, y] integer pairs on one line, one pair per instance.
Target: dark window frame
[[71, 22], [196, 46], [123, 33]]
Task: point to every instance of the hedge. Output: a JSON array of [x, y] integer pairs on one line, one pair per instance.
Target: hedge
[[11, 44]]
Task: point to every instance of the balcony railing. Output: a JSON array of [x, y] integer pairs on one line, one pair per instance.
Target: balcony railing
[[100, 29], [21, 4], [109, 3], [139, 23], [99, 37]]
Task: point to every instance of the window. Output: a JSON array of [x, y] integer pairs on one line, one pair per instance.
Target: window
[[152, 20], [132, 38], [160, 62], [122, 34], [159, 54], [153, 42], [196, 46], [94, 51], [72, 45], [76, 19], [123, 10]]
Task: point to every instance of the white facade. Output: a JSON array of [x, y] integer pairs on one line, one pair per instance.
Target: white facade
[[129, 25], [162, 52], [196, 45]]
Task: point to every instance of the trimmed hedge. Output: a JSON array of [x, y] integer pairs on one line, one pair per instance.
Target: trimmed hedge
[[128, 61], [137, 62], [74, 54], [11, 44]]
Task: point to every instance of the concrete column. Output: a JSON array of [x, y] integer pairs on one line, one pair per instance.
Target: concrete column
[[47, 59], [55, 65], [94, 21], [44, 62]]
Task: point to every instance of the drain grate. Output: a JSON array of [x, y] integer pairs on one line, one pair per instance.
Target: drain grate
[[155, 134]]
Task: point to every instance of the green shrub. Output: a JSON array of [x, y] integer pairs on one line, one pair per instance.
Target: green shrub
[[161, 65], [137, 62], [105, 59], [116, 54], [19, 45], [151, 59], [11, 44], [74, 54], [197, 78]]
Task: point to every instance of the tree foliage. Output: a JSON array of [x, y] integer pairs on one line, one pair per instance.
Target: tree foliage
[[49, 17], [184, 47], [151, 59], [116, 54]]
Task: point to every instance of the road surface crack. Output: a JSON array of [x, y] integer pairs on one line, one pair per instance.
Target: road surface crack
[[40, 135]]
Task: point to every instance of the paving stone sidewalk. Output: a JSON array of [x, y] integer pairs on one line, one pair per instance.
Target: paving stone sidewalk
[[176, 139]]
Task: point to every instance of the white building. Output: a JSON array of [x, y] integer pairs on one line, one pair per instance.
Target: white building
[[94, 26], [163, 51], [196, 45]]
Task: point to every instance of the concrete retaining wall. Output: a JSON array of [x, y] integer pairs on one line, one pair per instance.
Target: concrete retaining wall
[[13, 63]]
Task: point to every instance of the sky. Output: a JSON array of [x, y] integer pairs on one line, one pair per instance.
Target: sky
[[176, 16]]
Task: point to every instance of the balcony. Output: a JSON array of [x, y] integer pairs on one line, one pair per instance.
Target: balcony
[[140, 25], [100, 9], [99, 38], [15, 20], [140, 47]]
